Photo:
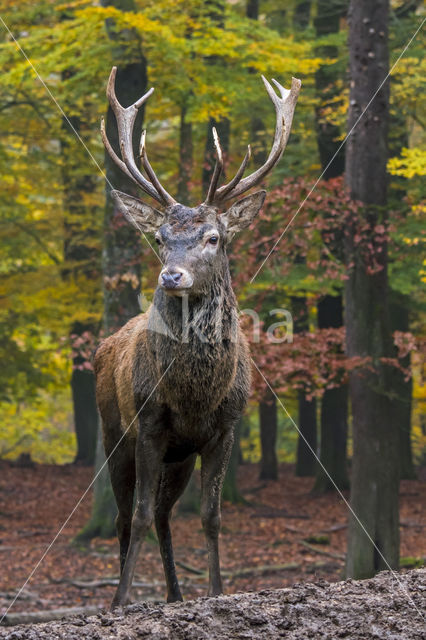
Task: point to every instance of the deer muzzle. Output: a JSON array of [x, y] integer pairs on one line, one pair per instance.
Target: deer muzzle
[[175, 279]]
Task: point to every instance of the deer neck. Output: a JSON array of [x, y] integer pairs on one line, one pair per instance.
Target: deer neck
[[209, 318], [193, 345]]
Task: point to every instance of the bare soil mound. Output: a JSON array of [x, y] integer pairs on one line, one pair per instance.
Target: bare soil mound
[[387, 607]]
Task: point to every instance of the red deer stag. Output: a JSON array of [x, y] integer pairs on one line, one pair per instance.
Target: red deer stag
[[172, 382]]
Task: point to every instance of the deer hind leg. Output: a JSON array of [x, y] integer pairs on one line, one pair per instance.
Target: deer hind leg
[[149, 453], [174, 478], [214, 462], [122, 472]]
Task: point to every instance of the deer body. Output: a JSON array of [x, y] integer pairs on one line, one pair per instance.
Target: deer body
[[172, 383], [192, 378]]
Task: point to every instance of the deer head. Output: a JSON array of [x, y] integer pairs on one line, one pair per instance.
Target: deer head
[[193, 241]]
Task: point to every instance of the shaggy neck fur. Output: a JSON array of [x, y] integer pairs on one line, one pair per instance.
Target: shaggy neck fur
[[194, 340]]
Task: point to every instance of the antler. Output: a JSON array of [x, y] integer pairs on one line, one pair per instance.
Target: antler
[[284, 108], [125, 122]]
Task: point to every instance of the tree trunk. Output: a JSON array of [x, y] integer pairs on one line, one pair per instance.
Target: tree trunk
[[400, 304], [185, 158], [85, 415], [267, 405], [402, 416], [334, 430], [327, 21], [81, 259], [268, 437], [223, 127], [257, 127], [252, 9], [122, 245], [122, 251], [307, 421], [334, 404], [104, 510], [402, 392], [334, 413], [307, 415], [375, 463], [306, 462], [302, 14]]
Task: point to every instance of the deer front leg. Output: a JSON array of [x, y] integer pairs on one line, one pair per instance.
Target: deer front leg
[[214, 462], [149, 456], [174, 479]]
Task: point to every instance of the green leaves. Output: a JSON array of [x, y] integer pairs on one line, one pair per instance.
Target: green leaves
[[213, 71]]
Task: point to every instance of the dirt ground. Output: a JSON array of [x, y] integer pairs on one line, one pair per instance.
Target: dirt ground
[[282, 535], [383, 608]]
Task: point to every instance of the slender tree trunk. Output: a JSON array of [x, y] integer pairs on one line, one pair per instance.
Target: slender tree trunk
[[81, 259], [375, 462], [399, 313], [402, 392], [122, 246], [302, 14], [267, 406], [268, 437], [102, 518], [185, 158], [257, 126], [85, 415], [122, 249], [216, 11], [305, 460], [334, 414], [334, 404], [327, 21], [252, 9]]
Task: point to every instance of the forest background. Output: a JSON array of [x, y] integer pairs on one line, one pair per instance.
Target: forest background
[[73, 271]]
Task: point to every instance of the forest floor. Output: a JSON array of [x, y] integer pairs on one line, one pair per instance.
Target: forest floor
[[280, 536]]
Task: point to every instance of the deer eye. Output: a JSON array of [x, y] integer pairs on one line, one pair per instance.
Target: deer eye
[[213, 239]]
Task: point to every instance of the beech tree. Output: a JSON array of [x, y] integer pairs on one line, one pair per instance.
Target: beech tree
[[82, 260], [334, 403], [373, 536], [122, 253]]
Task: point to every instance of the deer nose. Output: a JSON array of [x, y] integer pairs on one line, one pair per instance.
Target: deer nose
[[171, 278]]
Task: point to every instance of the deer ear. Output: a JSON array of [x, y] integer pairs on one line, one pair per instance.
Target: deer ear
[[140, 215], [242, 213]]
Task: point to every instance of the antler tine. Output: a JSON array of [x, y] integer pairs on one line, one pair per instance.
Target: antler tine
[[118, 161], [126, 118], [284, 109], [218, 168], [235, 180], [150, 171]]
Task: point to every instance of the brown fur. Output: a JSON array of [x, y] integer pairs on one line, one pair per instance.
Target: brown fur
[[182, 369], [168, 390]]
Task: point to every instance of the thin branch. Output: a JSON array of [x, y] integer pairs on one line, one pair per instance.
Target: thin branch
[[322, 552]]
